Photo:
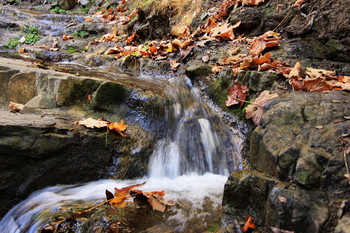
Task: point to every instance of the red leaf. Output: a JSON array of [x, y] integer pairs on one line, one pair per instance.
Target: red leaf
[[237, 94]]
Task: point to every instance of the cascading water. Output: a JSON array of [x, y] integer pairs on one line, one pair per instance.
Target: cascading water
[[193, 144], [190, 162]]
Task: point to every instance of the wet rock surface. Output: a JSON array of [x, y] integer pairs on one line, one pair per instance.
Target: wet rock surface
[[40, 146], [296, 181]]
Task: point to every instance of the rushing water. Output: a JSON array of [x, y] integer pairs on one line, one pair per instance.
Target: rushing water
[[191, 162]]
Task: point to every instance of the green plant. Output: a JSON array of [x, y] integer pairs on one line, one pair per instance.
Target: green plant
[[12, 43], [58, 10], [81, 34], [84, 10], [32, 35], [72, 49]]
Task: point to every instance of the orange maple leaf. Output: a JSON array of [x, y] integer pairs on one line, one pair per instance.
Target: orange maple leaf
[[249, 224], [118, 127]]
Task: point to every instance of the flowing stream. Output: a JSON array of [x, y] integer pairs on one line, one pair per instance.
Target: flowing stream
[[191, 163]]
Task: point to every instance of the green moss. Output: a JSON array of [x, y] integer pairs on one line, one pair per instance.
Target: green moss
[[12, 43], [73, 49], [58, 10]]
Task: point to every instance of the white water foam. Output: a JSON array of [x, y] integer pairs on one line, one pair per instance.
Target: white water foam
[[194, 188]]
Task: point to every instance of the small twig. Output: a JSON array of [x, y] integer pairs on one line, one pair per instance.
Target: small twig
[[88, 210], [245, 76], [106, 137], [346, 163], [245, 101]]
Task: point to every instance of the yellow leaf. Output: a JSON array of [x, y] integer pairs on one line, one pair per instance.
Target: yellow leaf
[[119, 200], [118, 127]]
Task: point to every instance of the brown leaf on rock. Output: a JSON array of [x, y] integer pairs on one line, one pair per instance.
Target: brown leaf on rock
[[182, 44], [67, 37], [316, 85], [256, 109], [224, 31], [296, 84], [118, 128], [15, 107], [237, 94], [320, 73], [92, 123], [131, 38], [262, 59], [267, 40]]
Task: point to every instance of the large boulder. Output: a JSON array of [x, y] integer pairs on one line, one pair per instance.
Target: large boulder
[[296, 154]]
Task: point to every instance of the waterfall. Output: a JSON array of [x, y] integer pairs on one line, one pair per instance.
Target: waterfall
[[190, 162], [193, 143]]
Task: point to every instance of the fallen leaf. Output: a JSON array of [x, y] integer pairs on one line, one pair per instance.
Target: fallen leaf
[[92, 123], [15, 107], [262, 59], [267, 40], [224, 31], [237, 94], [316, 85], [182, 44], [67, 37], [22, 50], [319, 126], [256, 109], [282, 199], [320, 73], [131, 38], [118, 127], [119, 200], [298, 3], [156, 204], [249, 224]]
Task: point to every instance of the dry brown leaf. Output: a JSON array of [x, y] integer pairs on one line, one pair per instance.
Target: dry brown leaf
[[267, 40], [256, 110], [92, 123], [118, 128], [182, 44], [320, 73], [131, 38], [224, 31], [316, 85], [262, 59], [15, 107], [67, 37]]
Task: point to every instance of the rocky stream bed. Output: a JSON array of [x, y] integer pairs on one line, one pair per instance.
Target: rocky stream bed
[[293, 163]]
